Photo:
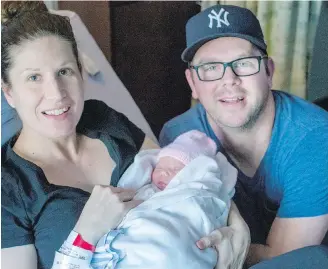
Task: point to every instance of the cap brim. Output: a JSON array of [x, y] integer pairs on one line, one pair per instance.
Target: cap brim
[[189, 52]]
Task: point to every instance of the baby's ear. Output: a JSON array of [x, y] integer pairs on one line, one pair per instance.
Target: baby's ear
[[7, 92]]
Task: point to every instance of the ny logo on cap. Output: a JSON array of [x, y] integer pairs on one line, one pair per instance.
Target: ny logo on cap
[[218, 17]]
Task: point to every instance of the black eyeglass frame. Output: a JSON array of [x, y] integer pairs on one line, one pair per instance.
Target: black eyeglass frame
[[226, 64]]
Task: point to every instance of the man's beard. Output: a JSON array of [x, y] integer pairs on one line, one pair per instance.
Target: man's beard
[[253, 117]]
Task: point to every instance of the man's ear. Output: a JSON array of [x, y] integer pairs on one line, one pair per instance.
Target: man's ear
[[190, 79], [270, 71], [7, 92]]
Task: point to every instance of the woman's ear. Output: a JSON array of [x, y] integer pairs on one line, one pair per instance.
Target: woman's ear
[[7, 92]]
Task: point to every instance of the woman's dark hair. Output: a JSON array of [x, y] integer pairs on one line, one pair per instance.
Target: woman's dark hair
[[29, 20]]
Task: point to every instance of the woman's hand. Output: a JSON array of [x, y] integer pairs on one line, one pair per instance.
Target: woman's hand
[[103, 211], [231, 242]]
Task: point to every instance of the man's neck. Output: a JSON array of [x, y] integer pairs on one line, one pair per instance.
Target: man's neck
[[247, 145], [36, 147]]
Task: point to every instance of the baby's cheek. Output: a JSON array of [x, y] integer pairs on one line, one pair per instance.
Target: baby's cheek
[[154, 177]]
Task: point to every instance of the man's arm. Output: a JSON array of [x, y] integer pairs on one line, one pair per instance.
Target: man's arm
[[302, 218], [167, 135], [287, 234]]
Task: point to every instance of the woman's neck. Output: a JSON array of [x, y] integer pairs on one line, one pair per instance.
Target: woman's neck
[[34, 146]]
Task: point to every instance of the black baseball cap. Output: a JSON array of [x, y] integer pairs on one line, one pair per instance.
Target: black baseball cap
[[222, 21]]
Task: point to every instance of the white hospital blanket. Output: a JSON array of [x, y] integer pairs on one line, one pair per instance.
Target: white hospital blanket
[[162, 231]]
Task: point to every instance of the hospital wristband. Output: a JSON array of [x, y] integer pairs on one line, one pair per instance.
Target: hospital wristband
[[76, 252], [62, 261], [68, 249], [76, 240]]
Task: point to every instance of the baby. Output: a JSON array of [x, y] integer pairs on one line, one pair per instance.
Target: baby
[[172, 159], [187, 190]]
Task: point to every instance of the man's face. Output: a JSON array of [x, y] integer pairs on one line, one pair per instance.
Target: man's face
[[232, 101]]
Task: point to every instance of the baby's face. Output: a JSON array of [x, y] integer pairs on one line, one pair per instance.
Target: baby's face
[[165, 170]]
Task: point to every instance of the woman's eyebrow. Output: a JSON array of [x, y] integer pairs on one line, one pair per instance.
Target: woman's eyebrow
[[68, 62], [38, 69], [30, 69]]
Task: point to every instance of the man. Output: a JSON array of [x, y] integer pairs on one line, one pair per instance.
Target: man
[[278, 142]]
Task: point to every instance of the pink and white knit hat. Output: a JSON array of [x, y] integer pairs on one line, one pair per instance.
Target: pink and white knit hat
[[188, 146]]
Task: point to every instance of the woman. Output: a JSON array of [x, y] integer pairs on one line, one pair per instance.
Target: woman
[[56, 172]]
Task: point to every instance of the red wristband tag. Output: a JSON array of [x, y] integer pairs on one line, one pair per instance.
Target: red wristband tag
[[79, 242]]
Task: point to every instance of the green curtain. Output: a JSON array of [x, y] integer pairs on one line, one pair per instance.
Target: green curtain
[[289, 30]]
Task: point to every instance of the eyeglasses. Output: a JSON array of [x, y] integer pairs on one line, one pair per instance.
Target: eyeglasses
[[242, 67]]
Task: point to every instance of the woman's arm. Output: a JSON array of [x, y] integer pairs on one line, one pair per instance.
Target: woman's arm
[[115, 202], [232, 242], [17, 246], [22, 257], [103, 212]]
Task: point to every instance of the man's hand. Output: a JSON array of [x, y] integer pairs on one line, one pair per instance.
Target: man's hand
[[287, 234], [231, 242]]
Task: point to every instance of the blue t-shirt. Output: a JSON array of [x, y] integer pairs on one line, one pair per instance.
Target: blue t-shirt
[[292, 178]]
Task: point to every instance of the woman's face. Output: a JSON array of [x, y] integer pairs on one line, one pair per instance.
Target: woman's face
[[46, 86]]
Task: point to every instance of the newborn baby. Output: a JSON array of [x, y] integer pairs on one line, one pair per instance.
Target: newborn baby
[[172, 159], [187, 190]]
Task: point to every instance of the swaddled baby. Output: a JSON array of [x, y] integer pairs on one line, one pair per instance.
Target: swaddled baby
[[187, 191], [173, 158]]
